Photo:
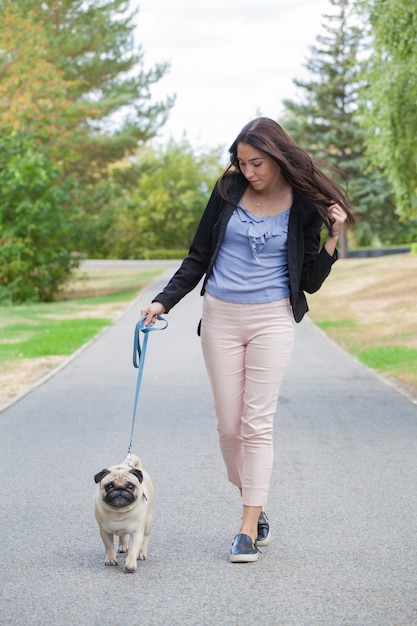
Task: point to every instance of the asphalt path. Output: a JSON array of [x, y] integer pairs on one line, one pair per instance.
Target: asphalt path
[[342, 504]]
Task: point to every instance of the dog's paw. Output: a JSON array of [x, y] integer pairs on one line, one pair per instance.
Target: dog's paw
[[111, 562], [130, 568], [122, 549], [142, 556]]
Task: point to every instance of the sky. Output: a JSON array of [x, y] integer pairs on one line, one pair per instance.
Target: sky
[[230, 60]]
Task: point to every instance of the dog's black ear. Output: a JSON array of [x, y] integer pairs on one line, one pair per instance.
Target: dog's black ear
[[99, 477], [137, 473]]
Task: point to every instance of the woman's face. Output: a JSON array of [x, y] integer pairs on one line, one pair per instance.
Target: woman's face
[[259, 169]]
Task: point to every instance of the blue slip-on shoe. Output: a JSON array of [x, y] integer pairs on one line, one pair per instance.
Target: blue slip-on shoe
[[264, 532], [243, 550]]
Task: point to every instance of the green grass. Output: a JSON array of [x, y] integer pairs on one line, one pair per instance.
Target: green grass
[[122, 295], [338, 324], [390, 359], [48, 337], [31, 331]]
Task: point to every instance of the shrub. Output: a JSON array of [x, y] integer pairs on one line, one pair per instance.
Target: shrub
[[37, 223]]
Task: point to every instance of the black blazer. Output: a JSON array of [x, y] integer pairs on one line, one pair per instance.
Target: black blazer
[[308, 266]]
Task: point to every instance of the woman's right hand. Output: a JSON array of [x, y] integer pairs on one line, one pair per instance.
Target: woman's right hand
[[152, 312]]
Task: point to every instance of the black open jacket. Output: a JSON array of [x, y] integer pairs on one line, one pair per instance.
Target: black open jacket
[[308, 266]]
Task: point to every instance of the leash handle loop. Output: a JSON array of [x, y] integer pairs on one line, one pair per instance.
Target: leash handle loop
[[140, 327], [139, 352]]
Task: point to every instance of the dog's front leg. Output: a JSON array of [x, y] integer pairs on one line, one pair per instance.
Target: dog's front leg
[[107, 538], [123, 545], [135, 543]]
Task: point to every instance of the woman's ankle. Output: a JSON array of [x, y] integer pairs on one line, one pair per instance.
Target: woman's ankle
[[249, 525], [245, 530]]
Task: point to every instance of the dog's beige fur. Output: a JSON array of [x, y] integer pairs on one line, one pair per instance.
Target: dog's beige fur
[[123, 505]]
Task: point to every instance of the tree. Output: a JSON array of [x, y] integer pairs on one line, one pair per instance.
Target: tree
[[75, 98], [38, 223], [33, 92], [92, 44], [390, 114], [38, 214], [160, 211], [326, 123]]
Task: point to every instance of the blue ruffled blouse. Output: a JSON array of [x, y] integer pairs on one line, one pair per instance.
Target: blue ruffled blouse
[[252, 264]]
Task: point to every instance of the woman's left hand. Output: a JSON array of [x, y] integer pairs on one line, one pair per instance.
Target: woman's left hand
[[338, 217]]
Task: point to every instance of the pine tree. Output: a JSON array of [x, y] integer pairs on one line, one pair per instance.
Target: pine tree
[[326, 123], [92, 43]]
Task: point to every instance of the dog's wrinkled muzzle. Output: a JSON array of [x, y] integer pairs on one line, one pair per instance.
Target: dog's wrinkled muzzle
[[119, 497]]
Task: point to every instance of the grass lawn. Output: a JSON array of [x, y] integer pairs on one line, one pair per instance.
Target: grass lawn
[[36, 338], [369, 306]]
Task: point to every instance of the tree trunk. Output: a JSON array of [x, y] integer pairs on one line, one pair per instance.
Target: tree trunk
[[343, 245]]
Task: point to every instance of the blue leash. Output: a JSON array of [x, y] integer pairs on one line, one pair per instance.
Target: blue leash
[[139, 353]]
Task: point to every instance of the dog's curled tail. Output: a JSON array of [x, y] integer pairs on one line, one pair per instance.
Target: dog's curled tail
[[133, 461]]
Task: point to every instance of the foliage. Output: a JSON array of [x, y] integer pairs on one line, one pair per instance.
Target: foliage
[[159, 200], [92, 44], [165, 253], [38, 223], [389, 116], [74, 99], [34, 97], [326, 124]]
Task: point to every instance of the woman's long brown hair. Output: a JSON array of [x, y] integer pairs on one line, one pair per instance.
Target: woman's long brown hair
[[297, 167]]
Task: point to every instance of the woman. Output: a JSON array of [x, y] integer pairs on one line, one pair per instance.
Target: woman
[[258, 245]]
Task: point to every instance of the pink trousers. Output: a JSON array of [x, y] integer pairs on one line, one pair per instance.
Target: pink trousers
[[246, 349]]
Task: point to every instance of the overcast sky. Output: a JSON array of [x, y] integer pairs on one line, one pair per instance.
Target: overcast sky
[[231, 60]]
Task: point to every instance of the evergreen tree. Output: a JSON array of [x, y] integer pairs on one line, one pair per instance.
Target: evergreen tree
[[92, 43], [326, 123]]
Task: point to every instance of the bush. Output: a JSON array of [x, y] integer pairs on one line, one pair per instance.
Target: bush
[[37, 224], [163, 253]]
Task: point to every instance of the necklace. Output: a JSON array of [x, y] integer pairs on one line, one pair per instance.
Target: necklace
[[259, 207], [266, 212]]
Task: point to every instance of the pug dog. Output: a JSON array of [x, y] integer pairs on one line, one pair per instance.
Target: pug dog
[[123, 505]]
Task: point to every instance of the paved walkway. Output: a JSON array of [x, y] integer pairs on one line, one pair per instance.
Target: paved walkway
[[343, 498]]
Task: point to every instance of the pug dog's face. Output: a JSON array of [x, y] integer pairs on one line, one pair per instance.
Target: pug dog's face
[[119, 487]]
